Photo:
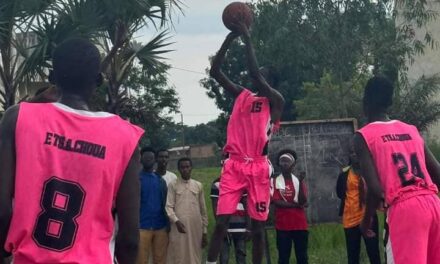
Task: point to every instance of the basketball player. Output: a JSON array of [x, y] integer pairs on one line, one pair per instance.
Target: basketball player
[[248, 133], [66, 168], [396, 163]]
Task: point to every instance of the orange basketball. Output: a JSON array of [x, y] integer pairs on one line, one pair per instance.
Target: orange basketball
[[237, 12]]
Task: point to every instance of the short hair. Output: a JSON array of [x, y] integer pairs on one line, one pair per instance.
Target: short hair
[[182, 160], [378, 94], [286, 151], [147, 149], [161, 150], [76, 64]]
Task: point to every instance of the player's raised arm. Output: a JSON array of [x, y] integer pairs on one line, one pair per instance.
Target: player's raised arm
[[217, 62], [263, 87], [7, 173], [368, 172], [127, 208]]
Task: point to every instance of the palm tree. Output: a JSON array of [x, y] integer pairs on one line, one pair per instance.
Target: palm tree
[[111, 24]]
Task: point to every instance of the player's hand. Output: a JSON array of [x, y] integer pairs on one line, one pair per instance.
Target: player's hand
[[365, 228], [180, 227], [204, 240]]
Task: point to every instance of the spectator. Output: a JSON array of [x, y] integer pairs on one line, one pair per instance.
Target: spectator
[[153, 217], [289, 198], [162, 164], [350, 189], [187, 211]]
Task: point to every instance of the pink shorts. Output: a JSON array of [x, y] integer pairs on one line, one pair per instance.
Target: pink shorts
[[414, 231], [251, 175]]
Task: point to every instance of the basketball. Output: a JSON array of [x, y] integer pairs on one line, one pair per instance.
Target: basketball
[[237, 12]]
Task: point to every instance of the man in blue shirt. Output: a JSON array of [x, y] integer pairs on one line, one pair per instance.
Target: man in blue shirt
[[153, 218]]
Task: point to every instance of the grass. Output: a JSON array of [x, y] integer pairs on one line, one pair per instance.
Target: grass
[[326, 241]]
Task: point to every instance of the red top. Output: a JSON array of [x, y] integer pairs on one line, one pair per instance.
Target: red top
[[69, 165], [398, 152], [288, 219]]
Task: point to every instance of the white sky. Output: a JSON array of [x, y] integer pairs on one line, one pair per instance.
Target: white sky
[[198, 33]]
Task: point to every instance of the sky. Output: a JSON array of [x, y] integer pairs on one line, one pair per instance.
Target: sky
[[198, 33]]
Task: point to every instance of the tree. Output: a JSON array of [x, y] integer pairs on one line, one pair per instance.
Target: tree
[[323, 47], [110, 23], [150, 103]]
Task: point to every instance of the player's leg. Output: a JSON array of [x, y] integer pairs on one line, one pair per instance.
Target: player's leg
[[258, 204], [258, 240], [145, 242], [353, 244], [240, 247], [224, 253], [434, 234], [160, 245], [231, 188], [301, 241], [408, 237], [284, 246], [372, 244]]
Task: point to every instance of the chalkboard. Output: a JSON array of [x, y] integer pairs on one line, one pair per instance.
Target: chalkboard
[[322, 147]]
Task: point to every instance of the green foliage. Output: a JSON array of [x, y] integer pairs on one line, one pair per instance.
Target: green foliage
[[324, 51], [110, 23], [417, 103], [149, 101], [329, 99]]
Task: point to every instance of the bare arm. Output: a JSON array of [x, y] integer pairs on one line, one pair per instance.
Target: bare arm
[[275, 98], [7, 173], [127, 208], [433, 166], [369, 173], [302, 198], [216, 71], [214, 201]]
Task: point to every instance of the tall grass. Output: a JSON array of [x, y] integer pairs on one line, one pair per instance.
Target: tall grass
[[326, 241]]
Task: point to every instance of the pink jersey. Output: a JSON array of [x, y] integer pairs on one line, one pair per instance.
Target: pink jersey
[[398, 153], [69, 165], [249, 127]]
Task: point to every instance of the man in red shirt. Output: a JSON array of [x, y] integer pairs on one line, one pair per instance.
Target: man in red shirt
[[289, 198]]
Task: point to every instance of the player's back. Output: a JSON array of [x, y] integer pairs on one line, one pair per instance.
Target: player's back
[[398, 152], [69, 165], [249, 127]]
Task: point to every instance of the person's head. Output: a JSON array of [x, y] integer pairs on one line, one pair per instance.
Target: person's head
[[378, 96], [148, 158], [353, 158], [162, 157], [184, 165], [76, 67], [286, 160], [270, 75]]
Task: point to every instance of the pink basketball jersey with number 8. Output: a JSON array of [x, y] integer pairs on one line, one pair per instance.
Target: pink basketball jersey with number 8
[[398, 153], [69, 165]]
